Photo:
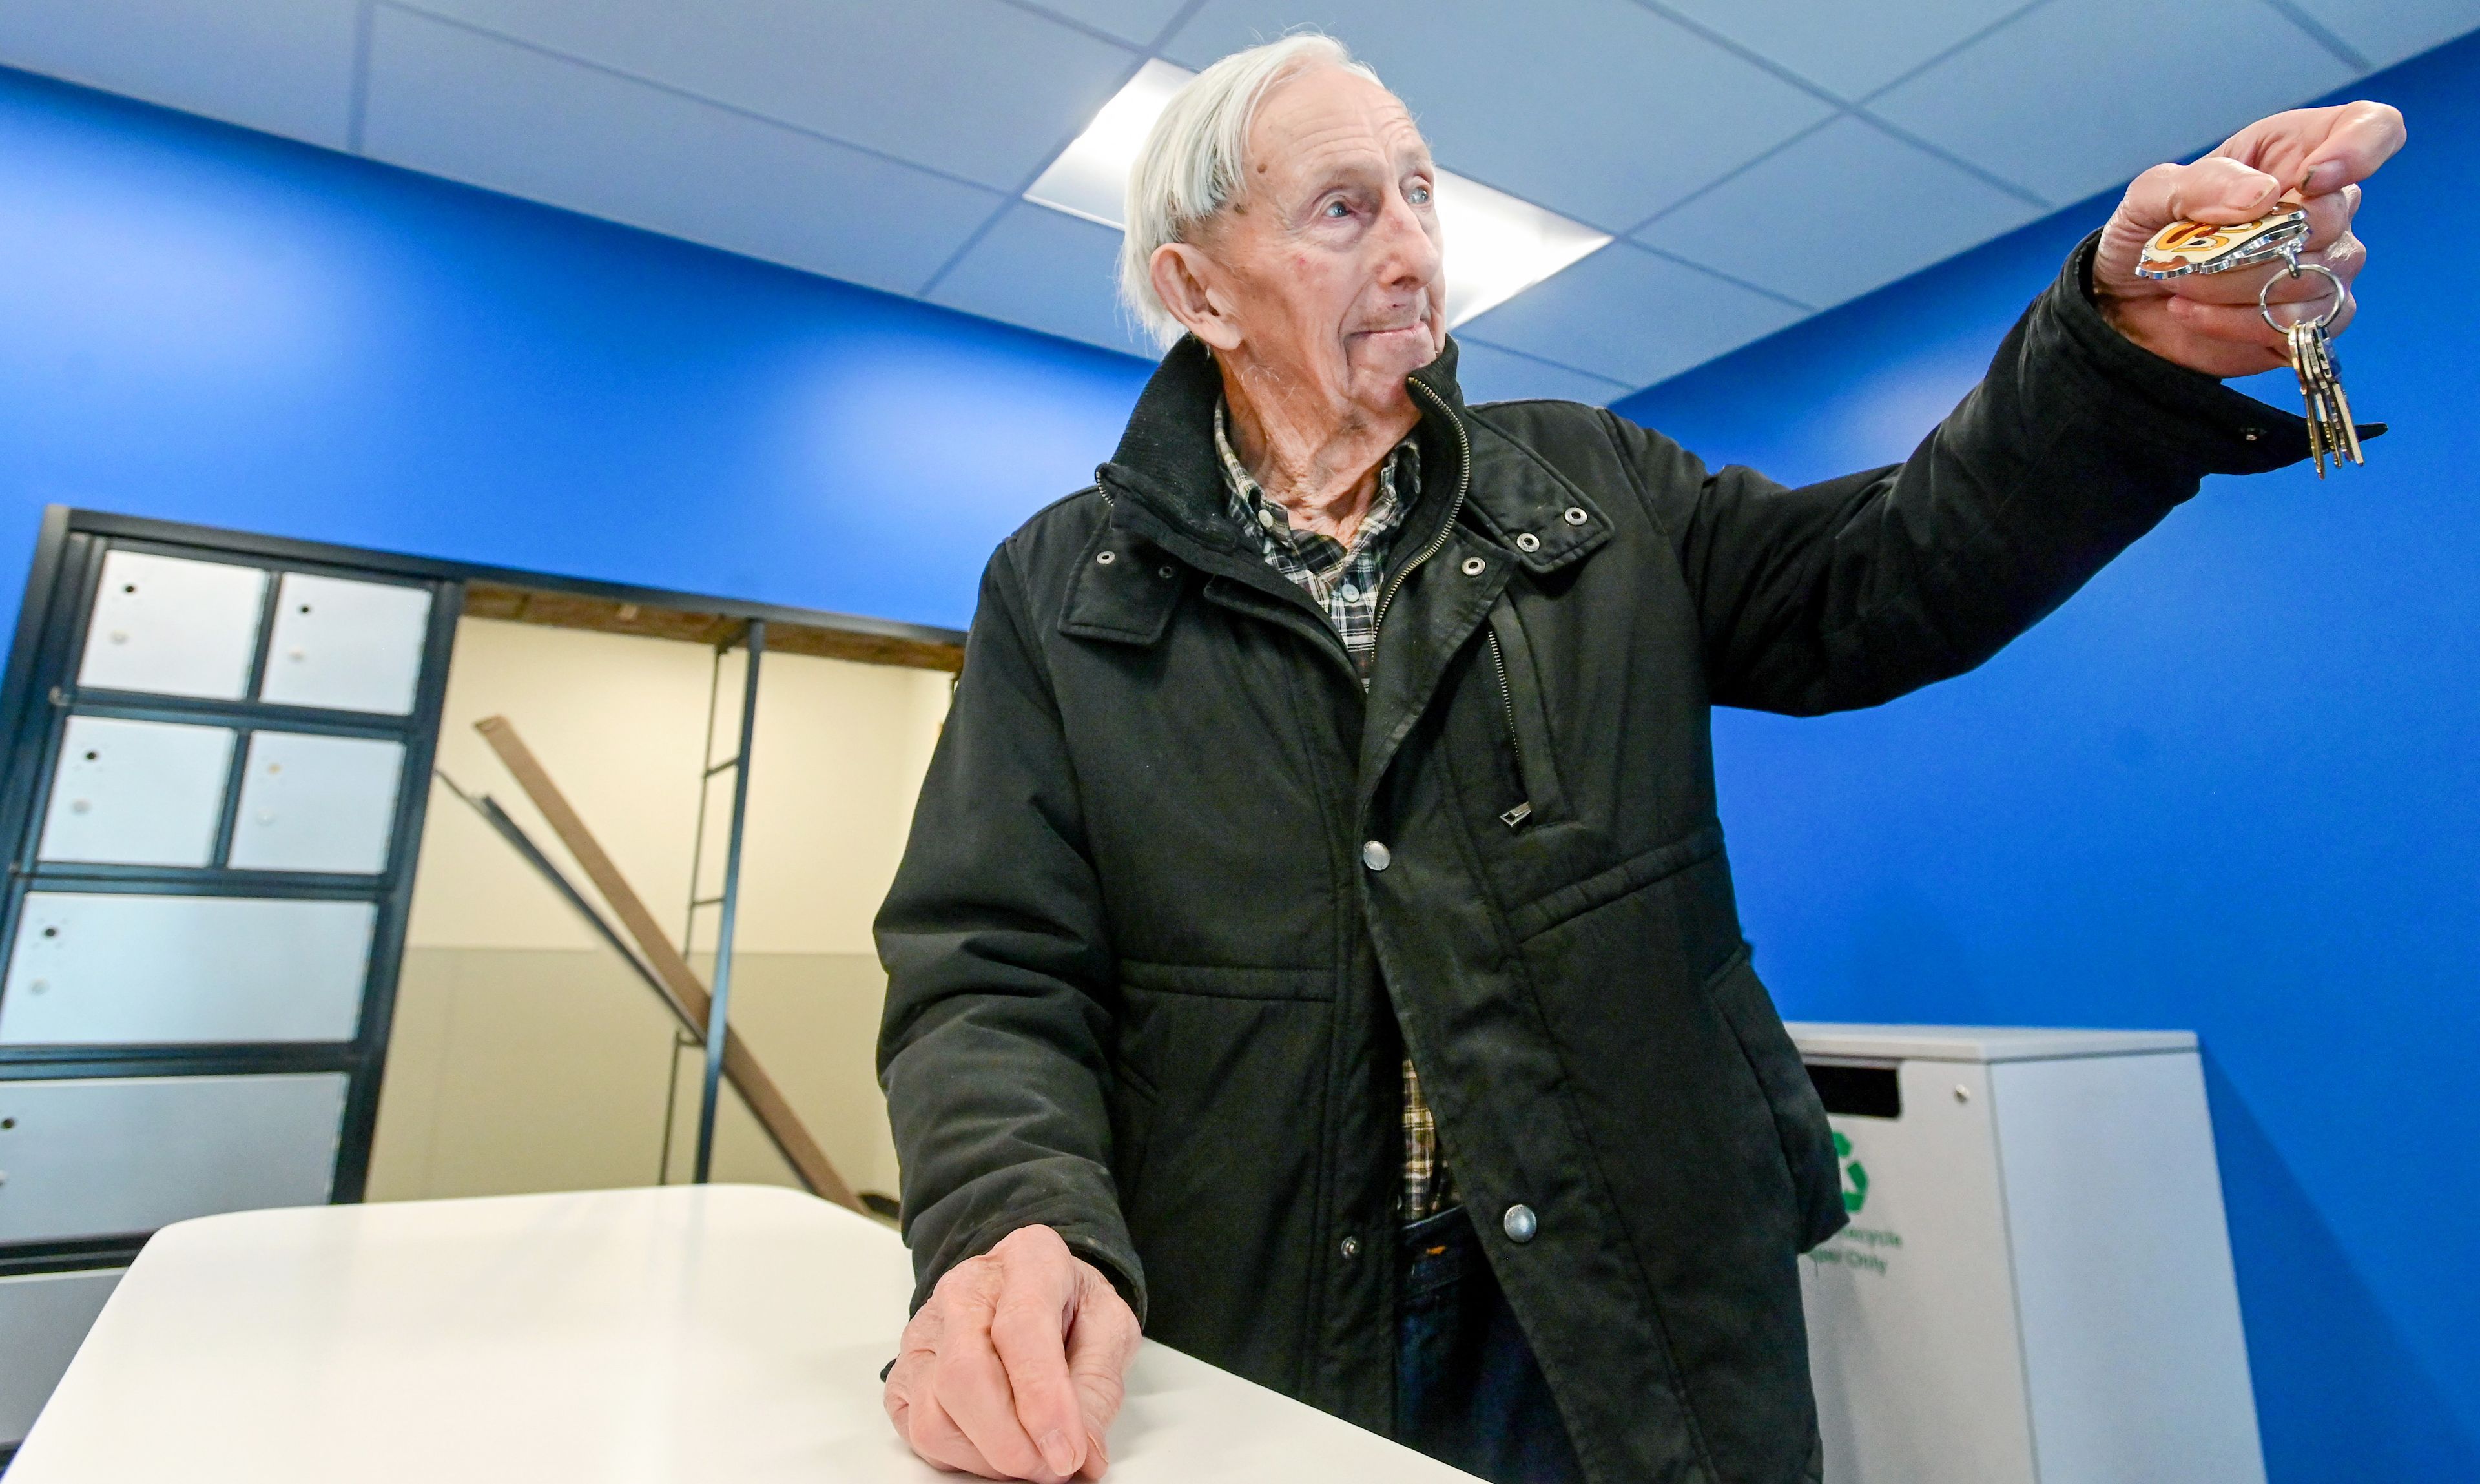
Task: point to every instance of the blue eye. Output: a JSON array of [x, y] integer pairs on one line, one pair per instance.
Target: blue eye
[[1419, 195], [1338, 209]]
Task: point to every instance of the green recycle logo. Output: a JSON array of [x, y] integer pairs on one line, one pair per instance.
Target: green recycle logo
[[1855, 1177]]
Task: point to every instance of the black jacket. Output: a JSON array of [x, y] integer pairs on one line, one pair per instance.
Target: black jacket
[[1145, 985]]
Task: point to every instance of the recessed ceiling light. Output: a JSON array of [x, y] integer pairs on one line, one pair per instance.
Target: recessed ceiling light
[[1497, 245], [1090, 178]]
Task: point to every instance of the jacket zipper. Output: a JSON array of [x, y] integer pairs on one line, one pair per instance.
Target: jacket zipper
[[1523, 809], [1463, 482], [1515, 817]]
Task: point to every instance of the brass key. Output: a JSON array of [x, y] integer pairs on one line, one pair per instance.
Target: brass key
[[2331, 432]]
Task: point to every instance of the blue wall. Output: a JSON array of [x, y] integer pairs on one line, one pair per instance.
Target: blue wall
[[205, 324], [2231, 786], [2234, 786]]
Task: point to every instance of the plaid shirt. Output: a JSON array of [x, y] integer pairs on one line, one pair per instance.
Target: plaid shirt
[[1345, 582]]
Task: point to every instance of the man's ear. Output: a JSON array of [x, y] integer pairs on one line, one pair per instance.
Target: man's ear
[[1181, 277]]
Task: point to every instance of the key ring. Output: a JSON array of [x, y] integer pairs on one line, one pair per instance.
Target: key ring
[[2341, 295]]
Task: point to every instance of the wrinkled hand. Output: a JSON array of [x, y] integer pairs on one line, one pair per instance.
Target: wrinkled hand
[[2208, 322], [1015, 1366]]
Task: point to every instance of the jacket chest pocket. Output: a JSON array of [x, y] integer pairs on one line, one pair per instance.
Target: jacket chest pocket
[[1530, 763]]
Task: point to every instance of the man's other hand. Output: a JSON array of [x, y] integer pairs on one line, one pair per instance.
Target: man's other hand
[[1015, 1367], [2208, 322]]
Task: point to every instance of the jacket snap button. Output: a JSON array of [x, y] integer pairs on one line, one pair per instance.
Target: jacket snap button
[[1106, 558], [1351, 1249], [1376, 855], [1519, 1223], [1576, 515], [1473, 566], [1162, 571], [1528, 542]]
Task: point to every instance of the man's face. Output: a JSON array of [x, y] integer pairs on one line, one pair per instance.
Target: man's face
[[1329, 268]]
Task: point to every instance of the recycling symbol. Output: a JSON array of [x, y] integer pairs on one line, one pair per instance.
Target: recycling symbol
[[1855, 1177]]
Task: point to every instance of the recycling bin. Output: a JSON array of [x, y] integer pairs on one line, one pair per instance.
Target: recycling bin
[[2036, 1285]]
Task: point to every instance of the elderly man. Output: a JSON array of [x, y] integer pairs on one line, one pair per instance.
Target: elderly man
[[1315, 940]]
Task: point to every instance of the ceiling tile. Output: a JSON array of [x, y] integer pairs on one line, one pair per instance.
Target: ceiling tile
[[1490, 374], [2387, 31], [449, 101], [285, 66], [975, 87], [1049, 271], [1853, 47], [1137, 21], [1868, 210], [1597, 109], [1632, 316], [2060, 103]]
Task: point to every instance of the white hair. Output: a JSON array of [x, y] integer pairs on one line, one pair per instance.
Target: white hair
[[1192, 163]]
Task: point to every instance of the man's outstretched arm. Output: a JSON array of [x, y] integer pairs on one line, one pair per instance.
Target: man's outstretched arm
[[2100, 413]]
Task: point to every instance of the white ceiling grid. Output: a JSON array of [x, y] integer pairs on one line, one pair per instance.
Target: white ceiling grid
[[1757, 160]]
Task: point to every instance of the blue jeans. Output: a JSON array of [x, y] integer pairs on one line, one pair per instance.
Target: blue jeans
[[1467, 1390]]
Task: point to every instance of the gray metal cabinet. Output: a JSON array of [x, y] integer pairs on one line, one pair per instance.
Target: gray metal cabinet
[[43, 1317], [136, 792], [346, 645], [171, 625], [88, 1155], [97, 968], [316, 804]]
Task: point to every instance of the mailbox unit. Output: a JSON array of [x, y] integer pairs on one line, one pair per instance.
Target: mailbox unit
[[215, 756], [213, 791]]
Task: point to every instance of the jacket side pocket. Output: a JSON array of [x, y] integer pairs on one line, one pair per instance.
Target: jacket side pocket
[[1799, 1117]]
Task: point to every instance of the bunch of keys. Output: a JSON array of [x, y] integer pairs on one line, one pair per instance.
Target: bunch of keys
[[2186, 248], [2330, 430]]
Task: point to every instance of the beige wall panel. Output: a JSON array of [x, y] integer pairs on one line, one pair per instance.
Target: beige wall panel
[[618, 721], [525, 1057], [530, 1069], [519, 1070]]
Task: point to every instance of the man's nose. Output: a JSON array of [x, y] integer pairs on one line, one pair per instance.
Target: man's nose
[[1411, 255]]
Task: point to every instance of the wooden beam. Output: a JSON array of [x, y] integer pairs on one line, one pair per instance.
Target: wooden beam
[[606, 614], [680, 982]]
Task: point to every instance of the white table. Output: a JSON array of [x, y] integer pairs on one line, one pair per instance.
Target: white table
[[726, 1333]]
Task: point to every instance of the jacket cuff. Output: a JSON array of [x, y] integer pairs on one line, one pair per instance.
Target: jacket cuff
[[1071, 1196], [2184, 414]]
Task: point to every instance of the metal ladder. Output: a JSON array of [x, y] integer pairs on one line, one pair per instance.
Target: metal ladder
[[753, 637]]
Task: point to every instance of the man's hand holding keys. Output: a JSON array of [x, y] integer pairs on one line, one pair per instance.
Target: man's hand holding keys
[[2209, 322]]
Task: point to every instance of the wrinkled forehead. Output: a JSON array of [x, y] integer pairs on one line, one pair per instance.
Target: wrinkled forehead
[[1322, 121]]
